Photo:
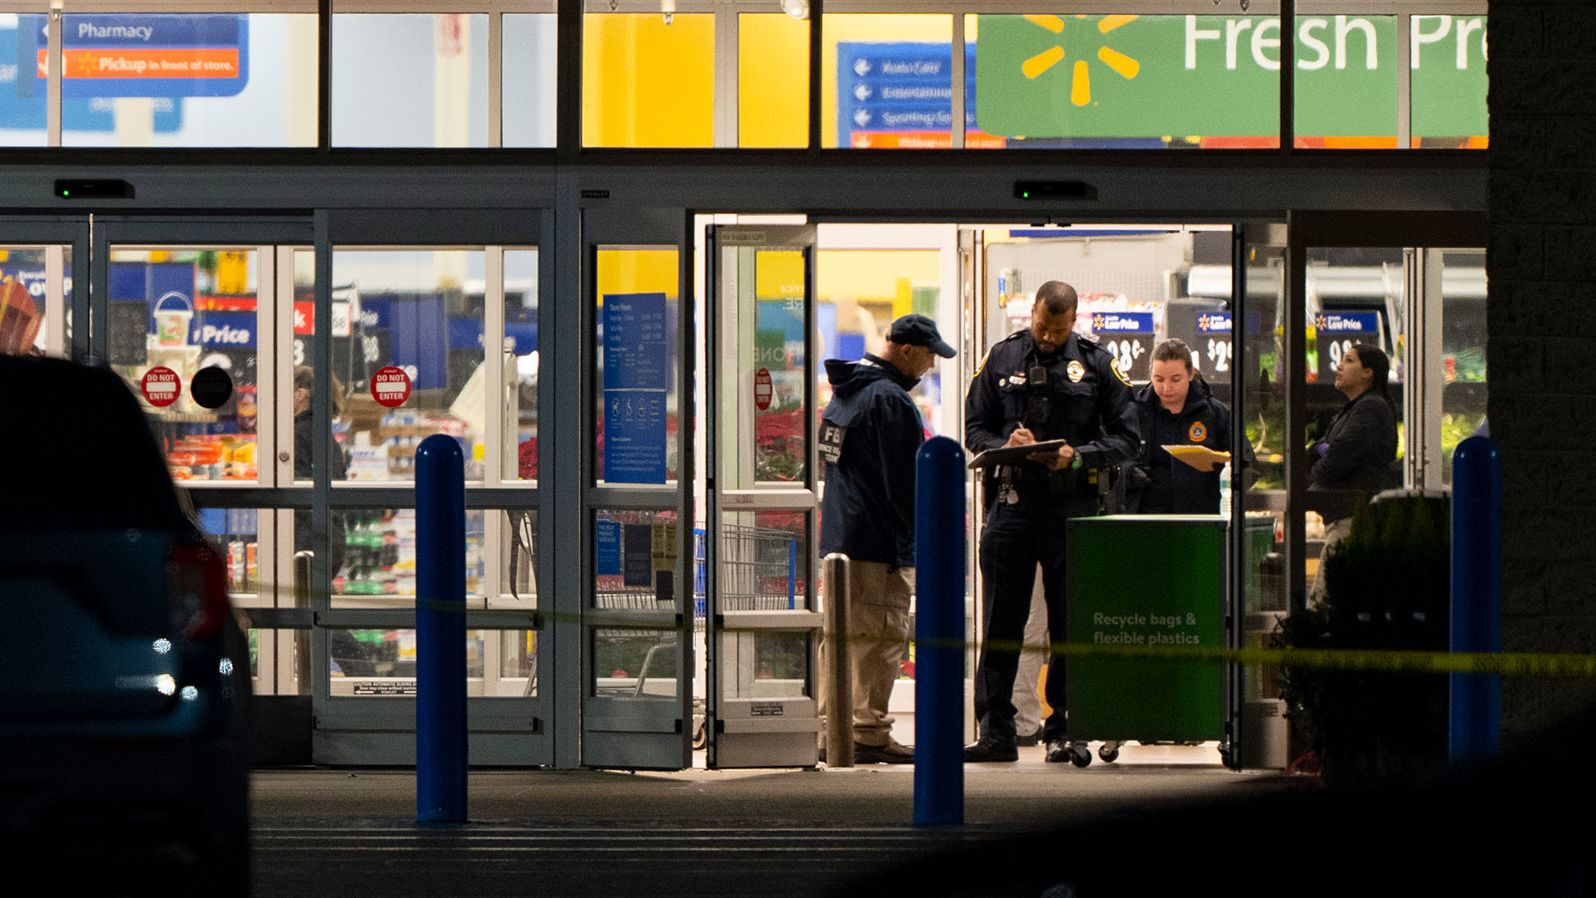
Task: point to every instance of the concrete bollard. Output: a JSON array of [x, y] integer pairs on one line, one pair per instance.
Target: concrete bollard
[[839, 673]]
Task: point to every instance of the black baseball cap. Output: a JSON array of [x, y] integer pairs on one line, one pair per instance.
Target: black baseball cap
[[918, 330]]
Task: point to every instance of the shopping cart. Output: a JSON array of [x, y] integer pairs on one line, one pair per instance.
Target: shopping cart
[[758, 569]]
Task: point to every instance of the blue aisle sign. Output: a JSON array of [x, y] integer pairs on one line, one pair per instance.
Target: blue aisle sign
[[899, 94], [636, 380], [22, 100], [1128, 337], [142, 55], [608, 538]]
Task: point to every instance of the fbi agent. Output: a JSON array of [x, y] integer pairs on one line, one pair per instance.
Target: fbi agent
[[1177, 408], [1040, 384]]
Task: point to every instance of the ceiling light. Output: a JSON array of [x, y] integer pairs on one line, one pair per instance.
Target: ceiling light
[[798, 9]]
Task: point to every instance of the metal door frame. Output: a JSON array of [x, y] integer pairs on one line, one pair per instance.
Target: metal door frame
[[508, 730], [751, 732], [628, 732], [73, 232]]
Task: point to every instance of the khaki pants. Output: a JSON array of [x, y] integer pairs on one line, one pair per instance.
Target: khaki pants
[[1334, 535], [1027, 701], [878, 633]]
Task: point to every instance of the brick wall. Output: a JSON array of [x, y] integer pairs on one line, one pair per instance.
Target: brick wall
[[1542, 342]]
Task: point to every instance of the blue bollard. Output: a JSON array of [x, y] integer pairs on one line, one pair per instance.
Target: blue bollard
[[939, 634], [440, 632], [1476, 699]]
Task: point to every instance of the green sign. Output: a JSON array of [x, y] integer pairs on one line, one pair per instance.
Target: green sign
[[1146, 582], [1218, 76]]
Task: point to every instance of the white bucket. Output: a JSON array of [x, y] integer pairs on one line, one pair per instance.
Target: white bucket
[[171, 324]]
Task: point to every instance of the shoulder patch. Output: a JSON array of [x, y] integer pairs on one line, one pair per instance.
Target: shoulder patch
[[981, 367], [1118, 373]]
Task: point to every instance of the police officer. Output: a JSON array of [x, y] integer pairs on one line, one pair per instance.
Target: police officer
[[1039, 384], [1177, 408]]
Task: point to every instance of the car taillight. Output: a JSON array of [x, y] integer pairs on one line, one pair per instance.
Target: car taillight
[[198, 583]]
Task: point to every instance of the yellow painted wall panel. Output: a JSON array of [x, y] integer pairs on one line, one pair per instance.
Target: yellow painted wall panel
[[638, 271], [772, 80], [648, 84]]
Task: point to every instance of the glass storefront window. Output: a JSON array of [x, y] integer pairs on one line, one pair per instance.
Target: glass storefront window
[[648, 80], [772, 80], [529, 80], [24, 113], [1449, 82], [410, 310], [637, 407], [521, 369], [1463, 330], [886, 81], [372, 555], [383, 662], [406, 80], [183, 331], [192, 80], [1124, 81], [35, 286]]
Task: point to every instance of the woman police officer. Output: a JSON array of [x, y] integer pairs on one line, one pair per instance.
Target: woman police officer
[[1177, 408]]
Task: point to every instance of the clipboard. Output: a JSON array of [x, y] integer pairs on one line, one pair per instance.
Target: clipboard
[[1015, 455], [1200, 457]]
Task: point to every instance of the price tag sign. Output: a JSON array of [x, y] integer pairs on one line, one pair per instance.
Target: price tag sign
[[1213, 346], [1128, 337], [390, 386], [160, 386], [1337, 331]]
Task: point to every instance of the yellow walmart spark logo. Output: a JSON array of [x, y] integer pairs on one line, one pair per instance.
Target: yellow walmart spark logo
[[1081, 82]]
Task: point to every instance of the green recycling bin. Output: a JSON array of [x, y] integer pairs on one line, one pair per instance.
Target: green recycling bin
[[1147, 581]]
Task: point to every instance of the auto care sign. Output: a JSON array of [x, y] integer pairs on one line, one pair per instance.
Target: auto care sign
[[148, 55], [159, 386], [390, 386]]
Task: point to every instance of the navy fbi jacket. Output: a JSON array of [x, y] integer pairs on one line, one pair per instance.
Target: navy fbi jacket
[[1081, 399], [869, 434], [1161, 484]]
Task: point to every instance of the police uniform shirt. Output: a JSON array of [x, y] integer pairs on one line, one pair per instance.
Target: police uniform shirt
[[1084, 400]]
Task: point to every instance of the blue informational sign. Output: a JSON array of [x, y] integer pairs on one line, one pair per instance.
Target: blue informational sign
[[636, 348], [899, 94], [637, 367], [223, 330], [1357, 323], [1105, 323], [22, 99], [634, 436], [850, 346], [141, 55], [826, 323], [608, 539], [1214, 323]]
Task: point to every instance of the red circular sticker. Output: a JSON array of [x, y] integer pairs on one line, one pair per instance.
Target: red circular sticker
[[159, 386], [390, 386], [762, 389]]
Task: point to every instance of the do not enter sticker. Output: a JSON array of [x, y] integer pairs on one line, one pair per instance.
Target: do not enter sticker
[[762, 389], [159, 386], [390, 386]]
